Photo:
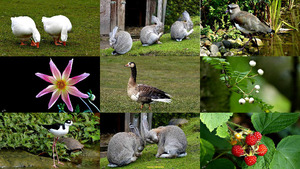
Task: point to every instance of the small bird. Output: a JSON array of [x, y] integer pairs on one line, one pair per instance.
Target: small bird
[[58, 130], [58, 27], [246, 22], [144, 93], [23, 27]]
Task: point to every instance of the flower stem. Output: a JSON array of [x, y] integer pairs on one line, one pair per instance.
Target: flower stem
[[94, 106], [86, 104], [229, 122], [245, 75]]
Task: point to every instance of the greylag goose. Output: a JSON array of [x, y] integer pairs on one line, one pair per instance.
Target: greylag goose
[[144, 93]]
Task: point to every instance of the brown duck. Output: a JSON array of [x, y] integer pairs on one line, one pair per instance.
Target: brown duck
[[144, 93]]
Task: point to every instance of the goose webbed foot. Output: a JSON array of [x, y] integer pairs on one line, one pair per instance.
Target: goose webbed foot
[[22, 43]]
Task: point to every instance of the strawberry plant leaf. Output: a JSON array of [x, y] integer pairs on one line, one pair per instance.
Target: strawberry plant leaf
[[221, 163], [287, 153], [222, 131], [273, 122], [207, 151], [214, 120]]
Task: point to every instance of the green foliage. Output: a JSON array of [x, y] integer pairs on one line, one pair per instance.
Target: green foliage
[[176, 7], [214, 120], [273, 122], [25, 131], [285, 155], [237, 81]]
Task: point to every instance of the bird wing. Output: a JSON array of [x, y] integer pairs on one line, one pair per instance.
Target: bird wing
[[148, 93]]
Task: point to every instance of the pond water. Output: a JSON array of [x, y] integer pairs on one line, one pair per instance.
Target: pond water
[[89, 159], [284, 44]]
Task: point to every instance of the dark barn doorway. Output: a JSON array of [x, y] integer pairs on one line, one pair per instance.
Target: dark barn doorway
[[112, 123], [135, 13]]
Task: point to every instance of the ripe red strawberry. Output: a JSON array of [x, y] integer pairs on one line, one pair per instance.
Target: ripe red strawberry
[[251, 139], [250, 160], [262, 150], [237, 150], [258, 135]]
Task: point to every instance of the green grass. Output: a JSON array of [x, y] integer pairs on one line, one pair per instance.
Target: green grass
[[83, 14], [192, 160], [177, 75], [169, 47]]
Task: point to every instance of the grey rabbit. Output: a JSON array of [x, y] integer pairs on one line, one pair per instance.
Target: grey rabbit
[[171, 140], [151, 34], [120, 41], [124, 148], [182, 28]]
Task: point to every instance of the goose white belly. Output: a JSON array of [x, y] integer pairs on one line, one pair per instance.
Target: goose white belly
[[56, 24], [22, 27]]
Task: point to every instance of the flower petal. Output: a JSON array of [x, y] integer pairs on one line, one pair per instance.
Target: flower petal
[[55, 96], [47, 78], [76, 79], [67, 71], [65, 97], [75, 92], [49, 89], [55, 72]]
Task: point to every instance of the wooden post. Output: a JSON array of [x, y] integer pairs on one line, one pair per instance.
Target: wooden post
[[105, 17], [121, 14], [164, 11], [159, 9], [150, 10], [113, 15], [126, 123]]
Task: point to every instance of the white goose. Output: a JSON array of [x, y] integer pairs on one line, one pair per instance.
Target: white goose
[[58, 27], [23, 27]]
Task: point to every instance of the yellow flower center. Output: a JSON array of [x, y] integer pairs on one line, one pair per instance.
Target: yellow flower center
[[61, 84]]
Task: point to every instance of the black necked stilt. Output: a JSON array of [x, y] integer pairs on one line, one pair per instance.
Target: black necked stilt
[[58, 130]]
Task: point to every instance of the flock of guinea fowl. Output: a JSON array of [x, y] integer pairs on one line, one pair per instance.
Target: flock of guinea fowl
[[24, 28]]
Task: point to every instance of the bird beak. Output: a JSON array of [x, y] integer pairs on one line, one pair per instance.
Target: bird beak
[[226, 11], [126, 65], [37, 44], [64, 43]]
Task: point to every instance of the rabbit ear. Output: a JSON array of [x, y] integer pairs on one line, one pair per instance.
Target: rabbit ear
[[113, 33], [186, 16], [134, 130]]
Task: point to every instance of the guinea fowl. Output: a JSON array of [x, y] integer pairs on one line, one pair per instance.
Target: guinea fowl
[[246, 22], [144, 93]]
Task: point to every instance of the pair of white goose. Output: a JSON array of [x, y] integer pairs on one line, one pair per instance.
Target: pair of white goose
[[23, 27]]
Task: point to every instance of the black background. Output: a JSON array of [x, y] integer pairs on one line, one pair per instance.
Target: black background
[[19, 85]]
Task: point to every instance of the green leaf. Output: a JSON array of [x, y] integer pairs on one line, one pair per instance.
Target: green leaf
[[221, 163], [287, 153], [207, 151], [222, 131], [214, 120], [273, 122]]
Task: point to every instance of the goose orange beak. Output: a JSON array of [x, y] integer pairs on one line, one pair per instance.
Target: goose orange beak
[[126, 65], [37, 44], [64, 43]]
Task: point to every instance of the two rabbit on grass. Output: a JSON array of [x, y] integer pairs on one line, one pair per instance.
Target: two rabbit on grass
[[124, 148], [122, 42]]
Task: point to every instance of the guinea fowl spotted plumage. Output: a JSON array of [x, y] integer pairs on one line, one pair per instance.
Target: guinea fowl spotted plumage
[[144, 93], [246, 22]]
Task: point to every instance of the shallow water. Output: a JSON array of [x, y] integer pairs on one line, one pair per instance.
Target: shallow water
[[284, 44]]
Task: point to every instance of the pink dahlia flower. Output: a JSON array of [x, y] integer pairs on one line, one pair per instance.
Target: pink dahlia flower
[[62, 85]]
